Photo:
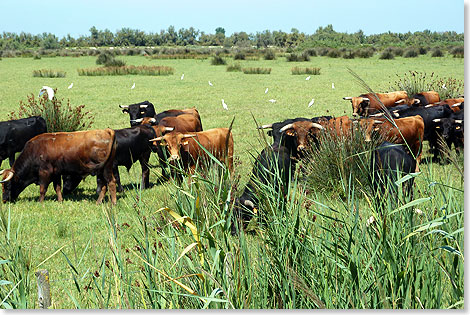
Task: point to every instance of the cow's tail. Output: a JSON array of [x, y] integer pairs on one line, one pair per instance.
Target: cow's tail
[[227, 140]]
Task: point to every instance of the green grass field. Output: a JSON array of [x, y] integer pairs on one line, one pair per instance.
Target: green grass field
[[78, 225]]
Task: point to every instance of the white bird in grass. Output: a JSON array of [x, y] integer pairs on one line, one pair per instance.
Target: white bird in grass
[[211, 83], [133, 86], [70, 86], [48, 90], [182, 76], [311, 102], [272, 101], [224, 105], [444, 86], [332, 85], [307, 78], [266, 91]]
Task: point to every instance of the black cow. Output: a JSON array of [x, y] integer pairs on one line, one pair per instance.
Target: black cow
[[139, 110], [272, 168], [15, 133], [389, 163], [451, 130]]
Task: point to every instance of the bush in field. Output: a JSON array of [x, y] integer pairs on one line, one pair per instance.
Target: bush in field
[[107, 59], [458, 52], [387, 54], [218, 61], [411, 53], [269, 54], [333, 53], [125, 70], [310, 52], [364, 53], [423, 50], [59, 116], [239, 55], [415, 82], [323, 51], [49, 73], [436, 52], [234, 68], [349, 54], [256, 70], [297, 58], [311, 71]]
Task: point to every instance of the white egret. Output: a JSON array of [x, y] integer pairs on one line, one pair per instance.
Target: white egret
[[48, 90], [224, 105], [272, 101], [307, 78], [332, 85], [133, 86], [70, 86], [182, 76], [210, 83], [266, 91], [311, 102]]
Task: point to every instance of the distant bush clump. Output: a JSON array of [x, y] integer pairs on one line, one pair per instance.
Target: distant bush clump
[[312, 71], [310, 52], [107, 59], [457, 52], [423, 50], [411, 53], [387, 54], [218, 61], [365, 53], [269, 54], [256, 70], [398, 51], [58, 115], [239, 55], [49, 73], [135, 70], [234, 67], [334, 53], [437, 53], [349, 54]]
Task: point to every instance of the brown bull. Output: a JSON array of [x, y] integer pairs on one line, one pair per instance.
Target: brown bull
[[181, 123], [48, 156], [342, 126], [454, 103], [420, 99], [366, 104], [184, 147], [303, 131], [410, 131]]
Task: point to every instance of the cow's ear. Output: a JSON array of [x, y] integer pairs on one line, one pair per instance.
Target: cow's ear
[[290, 132], [270, 133], [125, 111]]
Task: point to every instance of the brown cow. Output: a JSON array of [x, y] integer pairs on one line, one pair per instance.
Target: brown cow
[[183, 147], [343, 125], [410, 131], [366, 104], [48, 156], [420, 99], [302, 131], [454, 103]]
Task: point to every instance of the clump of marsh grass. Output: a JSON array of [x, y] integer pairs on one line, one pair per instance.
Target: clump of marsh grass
[[49, 73], [126, 70], [256, 70], [299, 70], [236, 67]]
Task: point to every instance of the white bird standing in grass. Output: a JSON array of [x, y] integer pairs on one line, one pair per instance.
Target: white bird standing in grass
[[182, 76], [49, 90], [311, 102], [211, 83], [272, 101], [332, 85], [444, 86], [224, 105], [133, 86], [70, 86], [307, 78], [266, 91]]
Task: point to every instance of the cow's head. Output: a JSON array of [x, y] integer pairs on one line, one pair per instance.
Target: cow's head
[[174, 142], [137, 111], [9, 189], [303, 131], [359, 104], [448, 127]]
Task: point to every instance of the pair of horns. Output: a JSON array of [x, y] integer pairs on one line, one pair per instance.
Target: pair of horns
[[10, 176], [457, 104], [289, 126], [161, 137], [265, 126], [347, 98], [457, 121], [249, 203], [127, 106]]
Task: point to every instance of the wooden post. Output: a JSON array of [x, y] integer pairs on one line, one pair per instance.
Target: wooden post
[[44, 288]]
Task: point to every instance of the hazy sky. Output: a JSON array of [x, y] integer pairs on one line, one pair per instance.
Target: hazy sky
[[63, 17]]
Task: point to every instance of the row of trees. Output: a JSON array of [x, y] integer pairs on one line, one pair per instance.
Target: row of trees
[[323, 36]]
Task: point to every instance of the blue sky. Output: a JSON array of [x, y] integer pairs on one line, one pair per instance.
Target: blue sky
[[63, 17]]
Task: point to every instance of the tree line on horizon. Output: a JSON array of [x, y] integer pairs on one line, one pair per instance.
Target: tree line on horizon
[[323, 37]]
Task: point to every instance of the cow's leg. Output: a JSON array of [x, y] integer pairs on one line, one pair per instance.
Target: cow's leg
[[118, 179], [57, 182], [103, 187], [110, 184], [145, 170], [44, 181], [70, 183]]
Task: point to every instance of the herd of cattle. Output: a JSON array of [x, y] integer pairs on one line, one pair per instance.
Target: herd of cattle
[[177, 137]]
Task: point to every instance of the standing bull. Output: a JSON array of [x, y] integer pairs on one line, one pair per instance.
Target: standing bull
[[366, 104]]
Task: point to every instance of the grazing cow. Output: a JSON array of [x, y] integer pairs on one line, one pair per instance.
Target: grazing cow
[[272, 168], [455, 103], [410, 131], [389, 163], [366, 104], [49, 156], [184, 147], [342, 126], [139, 110], [451, 130], [15, 133], [181, 123], [420, 99]]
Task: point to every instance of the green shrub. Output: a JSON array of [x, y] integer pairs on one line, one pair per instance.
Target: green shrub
[[297, 58], [311, 71], [333, 53], [239, 55], [436, 52], [364, 53], [269, 54], [234, 67], [323, 51], [36, 56], [58, 115], [458, 52], [398, 51], [423, 50], [387, 54], [310, 52], [411, 53], [349, 54], [256, 70], [49, 73], [125, 70], [218, 61]]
